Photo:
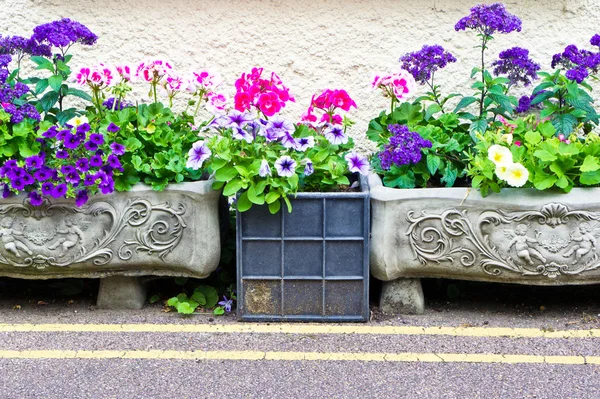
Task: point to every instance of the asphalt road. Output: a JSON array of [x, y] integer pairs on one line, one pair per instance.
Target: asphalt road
[[492, 344]]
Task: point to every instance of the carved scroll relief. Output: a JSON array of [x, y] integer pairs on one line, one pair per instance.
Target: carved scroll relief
[[551, 242], [61, 235]]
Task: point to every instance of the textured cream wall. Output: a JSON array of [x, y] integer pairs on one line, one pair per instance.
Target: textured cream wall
[[312, 44]]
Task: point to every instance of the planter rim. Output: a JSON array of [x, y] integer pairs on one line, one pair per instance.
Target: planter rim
[[199, 186], [364, 191], [580, 195]]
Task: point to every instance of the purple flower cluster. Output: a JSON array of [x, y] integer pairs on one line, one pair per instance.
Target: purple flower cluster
[[517, 66], [20, 46], [11, 92], [73, 162], [580, 63], [63, 33], [489, 19], [120, 104], [524, 104], [404, 147], [422, 64]]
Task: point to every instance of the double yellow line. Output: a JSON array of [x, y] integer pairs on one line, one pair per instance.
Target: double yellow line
[[314, 329]]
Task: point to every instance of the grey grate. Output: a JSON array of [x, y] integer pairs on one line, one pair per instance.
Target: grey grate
[[308, 265]]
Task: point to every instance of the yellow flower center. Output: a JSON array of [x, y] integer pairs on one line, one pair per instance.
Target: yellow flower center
[[497, 157], [517, 174]]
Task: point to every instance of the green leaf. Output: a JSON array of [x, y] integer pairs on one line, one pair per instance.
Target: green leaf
[[544, 182], [79, 93], [185, 307], [209, 293], [532, 137], [477, 180], [450, 175], [255, 197], [198, 297], [243, 203], [173, 301], [568, 149], [405, 180], [590, 164], [564, 123], [590, 178], [55, 81], [431, 110], [48, 100], [219, 311], [272, 197], [407, 113], [433, 163], [154, 298], [233, 187], [226, 174], [42, 63], [478, 126], [274, 207], [41, 86], [544, 156], [464, 102]]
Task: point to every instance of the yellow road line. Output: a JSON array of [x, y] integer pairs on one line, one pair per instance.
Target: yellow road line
[[300, 356], [493, 332]]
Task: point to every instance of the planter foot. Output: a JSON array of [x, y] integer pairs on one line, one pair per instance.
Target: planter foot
[[402, 296], [120, 292]]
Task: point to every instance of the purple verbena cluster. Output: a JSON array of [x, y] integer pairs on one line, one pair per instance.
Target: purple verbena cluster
[[489, 19], [580, 63], [63, 33], [517, 66], [404, 147], [11, 91], [422, 64], [18, 45], [73, 162], [524, 104]]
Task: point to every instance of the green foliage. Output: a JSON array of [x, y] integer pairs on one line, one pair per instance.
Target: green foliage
[[550, 161], [203, 296], [157, 142], [17, 140], [440, 165], [236, 165]]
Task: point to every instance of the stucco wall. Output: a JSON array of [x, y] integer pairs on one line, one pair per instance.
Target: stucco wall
[[312, 44]]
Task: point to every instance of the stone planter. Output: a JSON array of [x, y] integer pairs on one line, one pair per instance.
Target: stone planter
[[117, 237], [307, 265], [519, 236]]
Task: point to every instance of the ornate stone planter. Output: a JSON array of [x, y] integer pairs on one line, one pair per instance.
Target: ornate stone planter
[[308, 265], [519, 236], [117, 237]]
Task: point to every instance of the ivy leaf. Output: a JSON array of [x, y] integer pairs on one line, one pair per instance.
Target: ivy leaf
[[590, 164]]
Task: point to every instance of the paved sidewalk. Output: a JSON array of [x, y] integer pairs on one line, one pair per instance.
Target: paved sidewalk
[[492, 343]]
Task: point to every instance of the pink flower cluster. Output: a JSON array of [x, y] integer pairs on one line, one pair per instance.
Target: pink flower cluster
[[269, 96], [159, 73], [398, 85], [328, 103]]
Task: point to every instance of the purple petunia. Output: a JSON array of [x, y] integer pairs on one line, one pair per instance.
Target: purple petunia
[[113, 162], [71, 141], [423, 64], [285, 166], [304, 143], [34, 162], [488, 19], [81, 197], [47, 188], [97, 139], [357, 163], [112, 128], [309, 168], [35, 198], [117, 149], [517, 66], [62, 154], [335, 134], [18, 183], [265, 169], [43, 174], [51, 132], [83, 128], [404, 147], [82, 164], [62, 135], [60, 190], [89, 180], [90, 146], [197, 155], [96, 161]]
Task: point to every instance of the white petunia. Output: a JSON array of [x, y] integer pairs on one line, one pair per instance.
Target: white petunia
[[500, 155], [517, 175]]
